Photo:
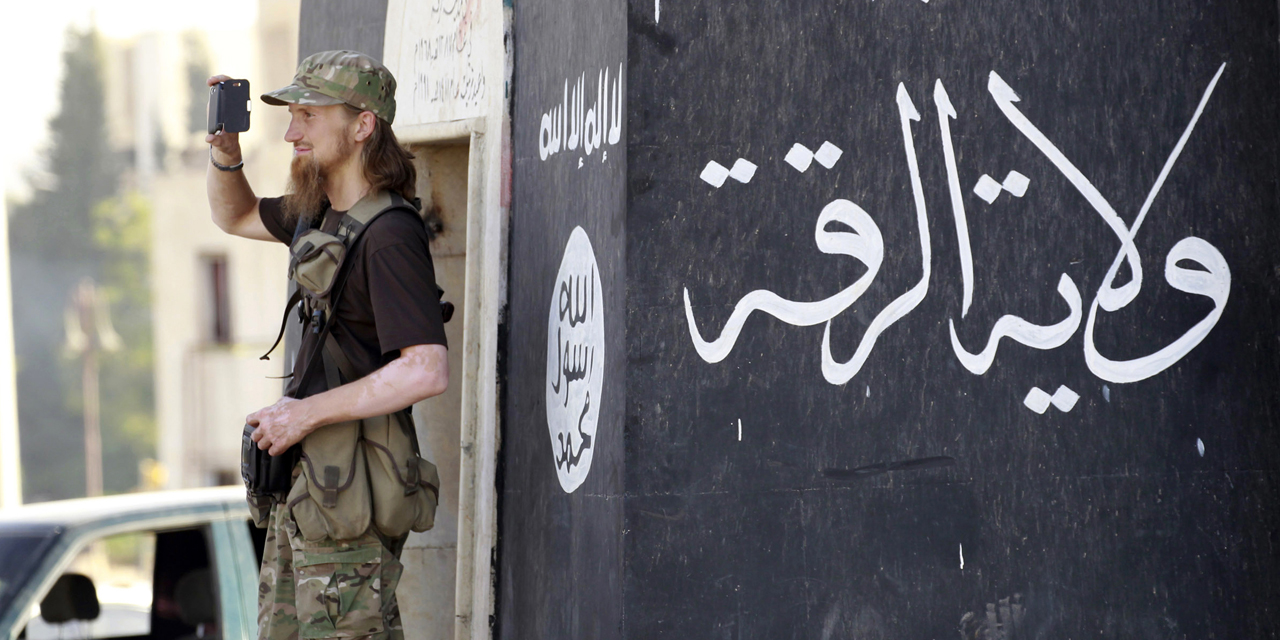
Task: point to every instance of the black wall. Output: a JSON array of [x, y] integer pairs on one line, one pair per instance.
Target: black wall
[[355, 25], [560, 552], [844, 510]]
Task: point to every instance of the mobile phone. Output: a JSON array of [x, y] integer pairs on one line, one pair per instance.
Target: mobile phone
[[229, 106]]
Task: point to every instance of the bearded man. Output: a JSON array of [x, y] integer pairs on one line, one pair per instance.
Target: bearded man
[[388, 325]]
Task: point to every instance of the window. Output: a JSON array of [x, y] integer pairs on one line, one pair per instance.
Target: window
[[19, 553], [158, 585], [217, 299], [120, 568]]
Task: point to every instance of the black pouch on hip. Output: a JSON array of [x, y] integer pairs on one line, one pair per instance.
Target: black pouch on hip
[[263, 473]]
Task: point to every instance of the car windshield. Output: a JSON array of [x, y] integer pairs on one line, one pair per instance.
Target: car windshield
[[19, 554]]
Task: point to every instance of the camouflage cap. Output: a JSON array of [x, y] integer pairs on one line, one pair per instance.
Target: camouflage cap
[[335, 77]]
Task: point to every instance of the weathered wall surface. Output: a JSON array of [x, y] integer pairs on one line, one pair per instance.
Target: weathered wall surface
[[562, 439], [325, 25], [835, 212], [445, 58]]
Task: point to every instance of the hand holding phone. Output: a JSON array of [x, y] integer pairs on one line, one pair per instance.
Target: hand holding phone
[[229, 106]]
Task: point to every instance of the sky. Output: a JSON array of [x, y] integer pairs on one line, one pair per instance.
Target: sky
[[31, 33]]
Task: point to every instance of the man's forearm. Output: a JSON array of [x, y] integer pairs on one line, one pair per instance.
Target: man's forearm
[[411, 378], [231, 198], [421, 371]]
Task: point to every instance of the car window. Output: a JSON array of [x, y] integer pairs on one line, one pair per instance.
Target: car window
[[19, 553], [158, 585], [120, 568]]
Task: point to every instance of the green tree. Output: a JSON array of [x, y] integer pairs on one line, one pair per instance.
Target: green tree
[[122, 232], [78, 227], [80, 161]]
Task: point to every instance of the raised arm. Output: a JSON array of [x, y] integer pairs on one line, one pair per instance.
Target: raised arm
[[231, 199]]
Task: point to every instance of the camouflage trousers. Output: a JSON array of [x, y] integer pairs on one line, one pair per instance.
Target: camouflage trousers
[[327, 589]]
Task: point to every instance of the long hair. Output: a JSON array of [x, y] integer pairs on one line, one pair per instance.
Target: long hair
[[388, 165]]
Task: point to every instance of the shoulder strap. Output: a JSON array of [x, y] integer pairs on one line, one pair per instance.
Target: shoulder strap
[[355, 221], [284, 321]]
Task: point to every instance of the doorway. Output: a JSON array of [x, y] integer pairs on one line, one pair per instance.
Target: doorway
[[428, 588]]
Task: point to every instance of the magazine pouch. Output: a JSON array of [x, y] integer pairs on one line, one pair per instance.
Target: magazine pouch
[[330, 496], [265, 476], [315, 257], [405, 487]]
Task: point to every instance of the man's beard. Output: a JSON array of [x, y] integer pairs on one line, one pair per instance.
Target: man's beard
[[307, 198]]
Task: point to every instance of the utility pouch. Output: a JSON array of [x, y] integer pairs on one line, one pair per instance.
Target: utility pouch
[[315, 258], [404, 486], [330, 496]]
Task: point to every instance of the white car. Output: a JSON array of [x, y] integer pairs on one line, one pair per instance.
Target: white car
[[164, 566]]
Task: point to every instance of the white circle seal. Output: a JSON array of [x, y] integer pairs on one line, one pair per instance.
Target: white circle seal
[[575, 361]]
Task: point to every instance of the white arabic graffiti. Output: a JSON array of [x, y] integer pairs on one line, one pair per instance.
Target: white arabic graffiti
[[447, 79], [573, 124], [865, 243]]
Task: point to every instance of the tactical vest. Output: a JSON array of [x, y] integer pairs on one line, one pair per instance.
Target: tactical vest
[[361, 472]]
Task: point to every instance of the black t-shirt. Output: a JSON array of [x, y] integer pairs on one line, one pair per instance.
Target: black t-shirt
[[390, 300]]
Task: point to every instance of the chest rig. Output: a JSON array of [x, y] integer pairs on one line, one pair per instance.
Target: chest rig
[[354, 473]]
